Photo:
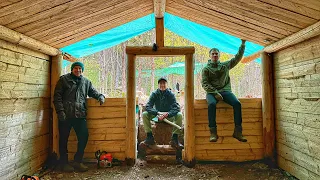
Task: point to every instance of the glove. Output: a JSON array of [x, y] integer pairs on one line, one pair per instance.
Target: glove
[[62, 116], [101, 99], [218, 97], [163, 116]]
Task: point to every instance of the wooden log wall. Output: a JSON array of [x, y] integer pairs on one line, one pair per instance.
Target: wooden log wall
[[24, 111], [297, 93], [107, 129], [227, 148]]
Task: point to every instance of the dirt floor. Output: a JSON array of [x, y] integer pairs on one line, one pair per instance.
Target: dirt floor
[[216, 171]]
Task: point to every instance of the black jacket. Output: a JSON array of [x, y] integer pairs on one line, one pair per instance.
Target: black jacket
[[164, 102], [71, 93]]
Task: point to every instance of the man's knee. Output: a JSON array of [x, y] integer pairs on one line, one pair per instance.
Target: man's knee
[[212, 105], [237, 104], [179, 115], [145, 115]]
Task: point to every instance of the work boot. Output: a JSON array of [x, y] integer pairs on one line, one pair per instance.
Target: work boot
[[67, 168], [175, 142], [149, 140], [214, 136], [80, 167], [238, 134]]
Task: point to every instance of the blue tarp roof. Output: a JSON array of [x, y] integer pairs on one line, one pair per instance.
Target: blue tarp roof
[[192, 31], [177, 68]]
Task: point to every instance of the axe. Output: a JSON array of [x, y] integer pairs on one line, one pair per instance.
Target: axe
[[155, 119]]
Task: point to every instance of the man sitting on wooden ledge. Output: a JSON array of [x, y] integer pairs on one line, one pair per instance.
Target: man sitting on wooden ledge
[[166, 106], [70, 96], [216, 82]]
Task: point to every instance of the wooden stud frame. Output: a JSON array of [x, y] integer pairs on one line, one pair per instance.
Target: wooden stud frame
[[189, 133]]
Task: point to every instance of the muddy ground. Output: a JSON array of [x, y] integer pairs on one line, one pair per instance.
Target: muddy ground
[[216, 171]]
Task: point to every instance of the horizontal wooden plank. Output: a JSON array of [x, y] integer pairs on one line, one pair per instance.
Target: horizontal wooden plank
[[23, 149], [106, 131], [304, 119], [227, 139], [289, 5], [24, 105], [297, 71], [93, 146], [205, 18], [10, 120], [299, 106], [299, 158], [16, 77], [228, 112], [105, 112], [10, 94], [305, 145], [238, 145], [109, 102], [229, 133], [227, 120], [296, 170], [9, 48], [35, 66], [307, 50], [90, 157], [106, 123], [231, 152], [102, 136], [147, 50], [245, 104], [228, 158], [230, 126]]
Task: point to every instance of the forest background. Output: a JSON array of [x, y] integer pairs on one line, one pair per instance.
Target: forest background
[[107, 69]]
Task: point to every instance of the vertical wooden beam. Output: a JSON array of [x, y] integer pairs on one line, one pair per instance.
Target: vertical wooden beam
[[159, 8], [56, 67], [131, 110], [268, 109], [160, 32], [189, 136]]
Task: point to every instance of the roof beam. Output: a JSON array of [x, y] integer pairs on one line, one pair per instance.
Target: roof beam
[[251, 57], [68, 57], [159, 7], [304, 34], [23, 40]]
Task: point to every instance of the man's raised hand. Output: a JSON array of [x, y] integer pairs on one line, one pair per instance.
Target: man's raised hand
[[243, 41]]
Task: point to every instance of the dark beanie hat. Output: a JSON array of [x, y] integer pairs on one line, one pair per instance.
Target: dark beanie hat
[[162, 79], [77, 64]]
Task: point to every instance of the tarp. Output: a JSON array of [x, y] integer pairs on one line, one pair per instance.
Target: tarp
[[192, 31], [177, 68]]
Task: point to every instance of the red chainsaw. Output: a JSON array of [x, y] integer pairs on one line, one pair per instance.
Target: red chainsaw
[[105, 159]]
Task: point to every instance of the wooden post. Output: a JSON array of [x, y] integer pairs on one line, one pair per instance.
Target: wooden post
[[160, 32], [56, 67], [268, 109], [131, 145], [189, 136]]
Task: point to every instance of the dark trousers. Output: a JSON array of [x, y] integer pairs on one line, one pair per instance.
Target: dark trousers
[[80, 127], [229, 98]]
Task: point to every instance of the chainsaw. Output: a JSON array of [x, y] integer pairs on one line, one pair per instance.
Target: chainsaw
[[26, 177], [105, 159]]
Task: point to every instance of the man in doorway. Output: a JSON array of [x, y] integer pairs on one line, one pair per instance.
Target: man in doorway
[[70, 97], [216, 82], [166, 106]]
